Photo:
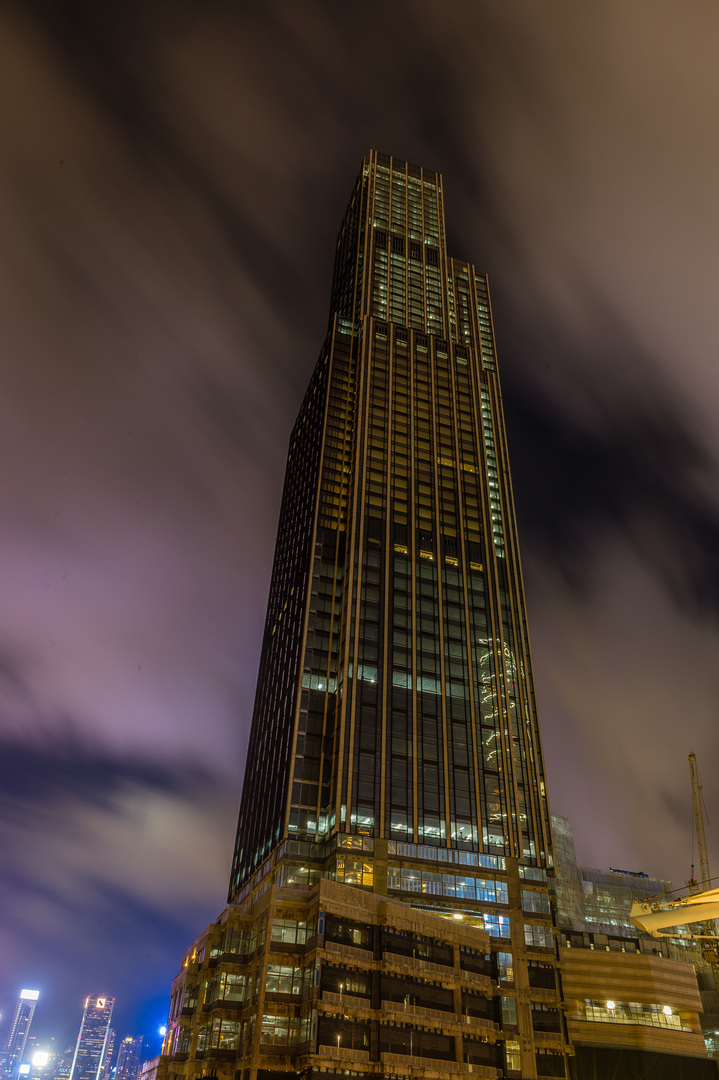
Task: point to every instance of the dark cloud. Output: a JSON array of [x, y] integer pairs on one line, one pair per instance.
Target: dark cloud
[[41, 775], [172, 177], [626, 458], [94, 847]]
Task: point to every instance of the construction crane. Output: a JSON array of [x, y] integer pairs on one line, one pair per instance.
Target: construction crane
[[709, 950], [660, 913], [694, 885], [701, 907]]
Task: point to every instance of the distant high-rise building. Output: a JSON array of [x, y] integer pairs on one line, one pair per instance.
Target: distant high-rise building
[[129, 1058], [108, 1055], [19, 1029], [42, 1059], [390, 910], [63, 1066], [93, 1039]]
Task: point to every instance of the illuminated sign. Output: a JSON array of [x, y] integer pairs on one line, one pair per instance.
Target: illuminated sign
[[29, 995], [101, 1003]]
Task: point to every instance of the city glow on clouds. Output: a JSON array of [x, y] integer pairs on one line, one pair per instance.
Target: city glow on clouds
[[170, 199]]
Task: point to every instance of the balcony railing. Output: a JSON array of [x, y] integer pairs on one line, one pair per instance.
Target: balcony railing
[[475, 978], [343, 1053], [480, 1022], [348, 950], [544, 993], [346, 999], [421, 1062], [419, 1011], [416, 963], [552, 1039]]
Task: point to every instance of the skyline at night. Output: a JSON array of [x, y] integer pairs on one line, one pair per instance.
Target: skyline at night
[[171, 189]]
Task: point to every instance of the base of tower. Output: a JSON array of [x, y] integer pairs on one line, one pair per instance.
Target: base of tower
[[338, 980]]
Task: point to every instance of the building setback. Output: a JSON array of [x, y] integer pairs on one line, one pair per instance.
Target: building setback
[[389, 902]]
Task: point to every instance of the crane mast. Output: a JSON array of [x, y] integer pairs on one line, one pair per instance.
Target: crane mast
[[698, 911], [709, 927], [704, 883]]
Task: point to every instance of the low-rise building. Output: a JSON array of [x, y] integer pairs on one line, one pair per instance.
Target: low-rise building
[[632, 1001]]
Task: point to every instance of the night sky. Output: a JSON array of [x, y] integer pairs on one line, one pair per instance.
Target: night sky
[[172, 179]]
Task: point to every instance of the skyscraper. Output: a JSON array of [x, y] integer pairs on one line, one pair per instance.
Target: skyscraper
[[389, 903], [64, 1063], [93, 1040], [389, 900], [107, 1057], [129, 1058], [395, 745], [395, 696], [19, 1030]]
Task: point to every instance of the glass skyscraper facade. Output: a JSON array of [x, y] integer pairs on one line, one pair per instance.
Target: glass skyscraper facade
[[93, 1041], [395, 699]]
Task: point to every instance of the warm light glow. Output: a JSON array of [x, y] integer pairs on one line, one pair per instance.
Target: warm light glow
[[162, 1030], [40, 1059], [457, 915], [29, 995], [611, 1005], [667, 1010], [101, 1003]]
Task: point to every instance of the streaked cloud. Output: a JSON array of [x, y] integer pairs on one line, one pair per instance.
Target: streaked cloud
[[170, 190]]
